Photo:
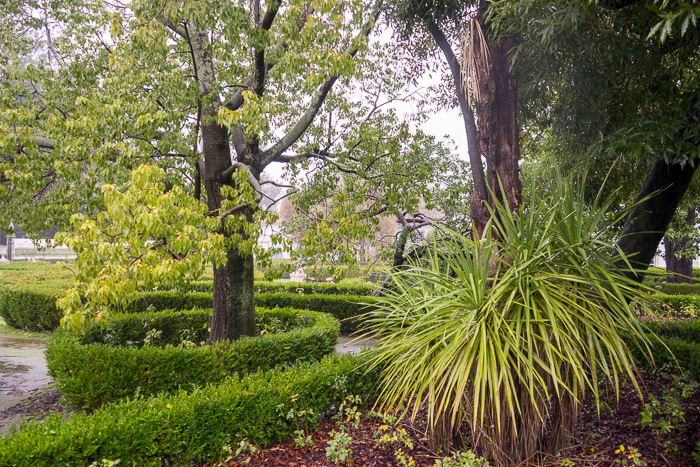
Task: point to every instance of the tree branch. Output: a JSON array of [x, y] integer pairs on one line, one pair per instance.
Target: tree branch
[[316, 102]]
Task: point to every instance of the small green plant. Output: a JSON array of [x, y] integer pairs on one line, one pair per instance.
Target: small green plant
[[339, 448], [388, 435], [348, 412], [566, 462], [462, 459], [302, 440], [151, 335], [667, 415], [404, 459], [105, 463], [629, 456], [244, 447]]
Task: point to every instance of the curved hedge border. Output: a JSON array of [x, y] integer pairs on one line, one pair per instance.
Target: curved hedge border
[[675, 345], [191, 428], [92, 374], [35, 309], [293, 287]]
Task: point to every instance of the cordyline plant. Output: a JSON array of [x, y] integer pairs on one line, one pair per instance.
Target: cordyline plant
[[509, 351]]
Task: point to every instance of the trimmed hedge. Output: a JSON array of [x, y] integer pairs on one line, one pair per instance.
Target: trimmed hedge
[[348, 309], [30, 308], [680, 289], [191, 428], [671, 352], [90, 375], [42, 314], [683, 306], [293, 287], [675, 344], [175, 326], [34, 309]]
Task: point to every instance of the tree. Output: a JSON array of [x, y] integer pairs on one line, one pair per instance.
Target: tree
[[202, 89], [374, 170], [600, 86], [484, 73]]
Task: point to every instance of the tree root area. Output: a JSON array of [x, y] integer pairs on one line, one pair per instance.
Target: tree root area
[[598, 435]]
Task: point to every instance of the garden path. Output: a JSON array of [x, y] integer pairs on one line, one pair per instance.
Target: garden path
[[22, 371]]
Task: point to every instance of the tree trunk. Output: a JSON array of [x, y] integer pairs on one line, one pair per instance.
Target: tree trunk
[[233, 299], [679, 268], [648, 221], [496, 110]]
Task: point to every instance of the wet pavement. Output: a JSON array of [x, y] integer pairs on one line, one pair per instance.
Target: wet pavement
[[352, 344], [22, 368]]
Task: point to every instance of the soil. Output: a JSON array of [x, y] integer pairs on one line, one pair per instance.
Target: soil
[[596, 439], [38, 405]]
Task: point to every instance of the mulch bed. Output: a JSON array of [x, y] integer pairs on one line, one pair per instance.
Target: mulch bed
[[596, 438], [37, 406]]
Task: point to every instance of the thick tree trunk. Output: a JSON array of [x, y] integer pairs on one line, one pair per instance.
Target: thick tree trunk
[[233, 299], [680, 269], [648, 221], [496, 110]]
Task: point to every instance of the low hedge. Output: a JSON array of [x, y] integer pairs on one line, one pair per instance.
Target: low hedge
[[680, 289], [673, 306], [675, 345], [92, 374], [293, 287], [34, 309], [348, 309], [173, 326], [684, 330], [672, 353], [192, 428], [30, 308]]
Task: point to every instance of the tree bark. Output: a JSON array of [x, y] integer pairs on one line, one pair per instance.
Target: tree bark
[[233, 313], [679, 269], [479, 197], [648, 221], [496, 110]]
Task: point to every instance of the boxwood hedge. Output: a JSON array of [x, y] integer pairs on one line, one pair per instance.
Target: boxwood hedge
[[192, 428], [676, 346], [293, 287], [92, 373], [34, 309]]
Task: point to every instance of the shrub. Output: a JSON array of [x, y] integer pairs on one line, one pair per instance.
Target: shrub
[[173, 327], [90, 375], [190, 428], [30, 308], [509, 342], [670, 353], [670, 306], [680, 289], [34, 308], [294, 287], [348, 309]]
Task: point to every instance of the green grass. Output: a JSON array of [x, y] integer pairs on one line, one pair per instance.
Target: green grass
[[5, 329]]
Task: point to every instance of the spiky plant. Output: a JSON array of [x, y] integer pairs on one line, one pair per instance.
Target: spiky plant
[[506, 336]]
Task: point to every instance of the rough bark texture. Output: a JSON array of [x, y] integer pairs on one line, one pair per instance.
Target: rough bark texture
[[649, 219], [496, 110], [679, 269], [233, 312], [477, 207]]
